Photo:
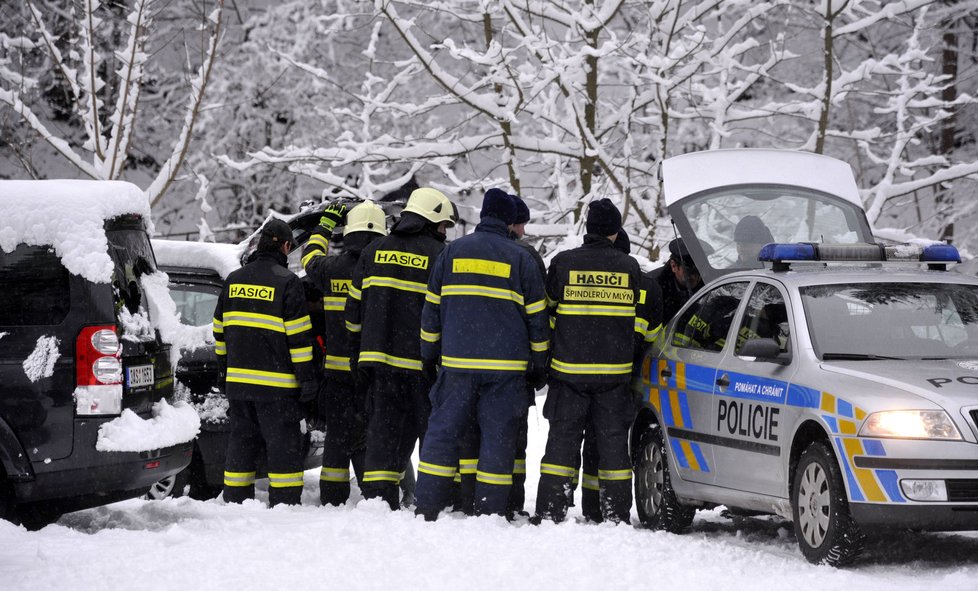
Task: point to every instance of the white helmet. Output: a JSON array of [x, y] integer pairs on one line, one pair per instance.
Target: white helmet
[[432, 205], [366, 217]]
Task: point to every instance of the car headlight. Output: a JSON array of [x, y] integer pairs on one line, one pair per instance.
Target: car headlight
[[910, 424]]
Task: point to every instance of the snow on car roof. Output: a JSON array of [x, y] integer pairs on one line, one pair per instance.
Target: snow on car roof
[[68, 215], [695, 172], [220, 258]]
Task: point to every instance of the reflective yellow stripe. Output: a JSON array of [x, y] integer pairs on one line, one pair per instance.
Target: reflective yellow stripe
[[641, 296], [381, 357], [382, 476], [468, 465], [311, 255], [519, 466], [300, 324], [334, 474], [553, 322], [220, 348], [239, 478], [557, 470], [653, 334], [641, 326], [591, 368], [588, 310], [241, 375], [334, 303], [490, 478], [337, 363], [432, 297], [539, 346], [431, 337], [481, 291], [497, 364], [253, 320], [301, 354], [352, 327], [318, 240], [218, 326], [615, 474], [436, 470], [590, 482], [375, 281], [284, 479], [355, 293], [536, 307]]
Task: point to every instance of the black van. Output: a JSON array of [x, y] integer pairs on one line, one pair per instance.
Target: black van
[[67, 363]]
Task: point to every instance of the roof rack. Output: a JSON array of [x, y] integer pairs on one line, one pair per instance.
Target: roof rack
[[781, 255]]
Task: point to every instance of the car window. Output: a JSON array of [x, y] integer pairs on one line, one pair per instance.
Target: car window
[[766, 317], [133, 257], [898, 320], [35, 287], [705, 324], [730, 225], [195, 304]]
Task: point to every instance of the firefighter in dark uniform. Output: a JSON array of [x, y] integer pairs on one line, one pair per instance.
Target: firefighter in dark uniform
[[341, 402], [263, 340], [383, 315], [464, 500], [485, 322], [678, 279], [648, 324], [594, 290]]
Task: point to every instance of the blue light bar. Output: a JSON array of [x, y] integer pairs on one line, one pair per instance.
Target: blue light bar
[[940, 253], [777, 252]]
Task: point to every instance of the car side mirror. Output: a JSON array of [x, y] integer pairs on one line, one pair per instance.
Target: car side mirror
[[763, 350]]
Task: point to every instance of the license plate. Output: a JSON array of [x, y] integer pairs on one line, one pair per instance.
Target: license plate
[[139, 375]]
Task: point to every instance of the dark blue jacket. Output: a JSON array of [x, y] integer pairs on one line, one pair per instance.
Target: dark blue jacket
[[485, 310]]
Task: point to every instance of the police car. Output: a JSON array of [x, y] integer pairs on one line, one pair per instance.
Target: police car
[[821, 377]]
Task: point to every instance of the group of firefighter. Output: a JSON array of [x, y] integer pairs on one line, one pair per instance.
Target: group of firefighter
[[446, 344]]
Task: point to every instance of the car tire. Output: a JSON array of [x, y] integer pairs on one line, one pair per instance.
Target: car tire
[[825, 530], [8, 501], [656, 502], [172, 486]]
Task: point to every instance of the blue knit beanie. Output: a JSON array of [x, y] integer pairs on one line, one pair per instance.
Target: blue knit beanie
[[522, 211], [498, 204], [603, 218]]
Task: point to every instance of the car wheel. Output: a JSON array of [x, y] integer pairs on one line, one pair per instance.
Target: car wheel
[[823, 526], [658, 507], [171, 486]]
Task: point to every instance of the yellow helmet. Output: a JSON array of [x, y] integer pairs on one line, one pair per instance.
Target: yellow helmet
[[366, 217], [432, 205]]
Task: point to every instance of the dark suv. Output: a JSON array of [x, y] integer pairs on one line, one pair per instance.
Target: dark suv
[[70, 360], [196, 271]]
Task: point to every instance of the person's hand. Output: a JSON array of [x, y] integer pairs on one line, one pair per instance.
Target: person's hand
[[430, 370], [536, 378], [332, 216], [309, 391]]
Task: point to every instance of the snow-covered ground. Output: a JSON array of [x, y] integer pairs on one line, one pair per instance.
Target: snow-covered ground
[[184, 544]]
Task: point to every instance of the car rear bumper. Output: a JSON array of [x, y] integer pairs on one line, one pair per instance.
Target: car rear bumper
[[87, 477]]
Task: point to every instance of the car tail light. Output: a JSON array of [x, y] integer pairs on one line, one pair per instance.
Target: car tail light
[[98, 372]]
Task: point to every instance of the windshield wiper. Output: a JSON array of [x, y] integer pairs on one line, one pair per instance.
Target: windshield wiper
[[856, 357]]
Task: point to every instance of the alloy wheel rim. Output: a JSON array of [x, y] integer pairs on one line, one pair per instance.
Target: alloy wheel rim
[[653, 480], [162, 488], [814, 505]]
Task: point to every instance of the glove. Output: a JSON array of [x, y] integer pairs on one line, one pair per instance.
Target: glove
[[309, 392], [332, 216], [536, 378], [430, 370]]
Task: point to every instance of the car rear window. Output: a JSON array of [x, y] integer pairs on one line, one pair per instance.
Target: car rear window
[[35, 289], [132, 254]]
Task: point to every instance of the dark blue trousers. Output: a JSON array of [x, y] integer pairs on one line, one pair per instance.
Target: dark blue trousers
[[496, 401]]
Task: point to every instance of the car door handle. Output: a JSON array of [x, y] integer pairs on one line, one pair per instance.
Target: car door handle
[[666, 372], [723, 381]]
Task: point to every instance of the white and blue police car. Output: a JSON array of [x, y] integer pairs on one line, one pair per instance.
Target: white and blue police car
[[818, 375]]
